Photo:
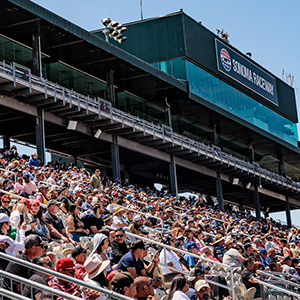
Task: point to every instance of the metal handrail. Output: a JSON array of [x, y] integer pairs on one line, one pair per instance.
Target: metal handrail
[[37, 285], [18, 72], [278, 288], [279, 279], [185, 252], [12, 295], [62, 276], [7, 171]]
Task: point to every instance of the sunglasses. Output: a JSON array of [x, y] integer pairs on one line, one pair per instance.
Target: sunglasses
[[119, 235], [6, 202], [49, 264]]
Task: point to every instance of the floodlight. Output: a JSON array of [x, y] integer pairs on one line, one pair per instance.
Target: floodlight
[[108, 31], [72, 125], [113, 24], [235, 181], [98, 133], [119, 26], [122, 29], [119, 36], [123, 39], [106, 21], [248, 185], [114, 33]]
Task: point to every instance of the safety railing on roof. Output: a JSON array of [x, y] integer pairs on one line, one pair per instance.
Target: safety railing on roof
[[110, 294], [3, 171], [16, 73], [164, 246]]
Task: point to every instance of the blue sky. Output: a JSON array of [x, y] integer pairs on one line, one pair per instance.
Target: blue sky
[[268, 29]]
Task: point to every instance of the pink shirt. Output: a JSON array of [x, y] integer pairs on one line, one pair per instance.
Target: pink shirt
[[29, 187]]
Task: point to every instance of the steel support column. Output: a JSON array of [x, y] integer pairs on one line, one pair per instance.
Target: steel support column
[[288, 213], [6, 142], [40, 135], [36, 55], [256, 202], [251, 152], [219, 190], [281, 167], [115, 157], [173, 177], [111, 96]]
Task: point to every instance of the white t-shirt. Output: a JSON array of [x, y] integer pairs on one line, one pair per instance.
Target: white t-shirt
[[170, 257], [230, 258], [178, 295]]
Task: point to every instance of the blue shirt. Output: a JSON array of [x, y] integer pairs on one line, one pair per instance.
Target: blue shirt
[[190, 260], [86, 206], [129, 261]]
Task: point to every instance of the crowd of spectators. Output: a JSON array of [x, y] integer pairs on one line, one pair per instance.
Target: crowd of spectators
[[75, 222]]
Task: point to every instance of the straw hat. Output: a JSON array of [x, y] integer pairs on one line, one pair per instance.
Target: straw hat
[[117, 209], [94, 266], [219, 238]]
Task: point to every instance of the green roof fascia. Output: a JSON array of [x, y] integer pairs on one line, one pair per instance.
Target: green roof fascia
[[91, 38], [244, 123]]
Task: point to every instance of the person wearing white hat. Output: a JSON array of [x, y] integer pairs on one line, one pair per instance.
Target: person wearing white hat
[[202, 290], [11, 246], [100, 246], [137, 224], [95, 273]]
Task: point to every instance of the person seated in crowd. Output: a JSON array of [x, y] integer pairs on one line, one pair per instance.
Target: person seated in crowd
[[169, 257], [263, 255], [55, 224], [100, 247], [119, 246], [136, 226], [79, 255], [248, 276], [118, 219], [219, 249], [39, 277], [271, 256], [233, 257], [93, 221], [287, 267], [75, 225], [20, 212], [179, 287], [29, 185], [33, 247], [5, 205], [65, 266], [87, 205], [132, 261], [33, 161], [144, 288], [37, 218], [194, 249], [124, 284], [202, 290], [19, 187]]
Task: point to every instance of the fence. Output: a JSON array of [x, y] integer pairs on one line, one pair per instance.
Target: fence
[[110, 294], [22, 75]]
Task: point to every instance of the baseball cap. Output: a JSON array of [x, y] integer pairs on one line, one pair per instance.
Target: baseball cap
[[4, 218], [192, 245], [137, 218], [77, 250], [263, 251], [120, 280], [52, 202], [138, 245], [26, 202], [200, 284], [64, 263], [33, 240]]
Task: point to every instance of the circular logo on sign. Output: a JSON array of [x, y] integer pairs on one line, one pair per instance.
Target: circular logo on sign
[[225, 59]]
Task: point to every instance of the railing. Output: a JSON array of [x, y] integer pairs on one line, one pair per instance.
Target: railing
[[231, 288], [9, 172], [59, 275], [18, 73]]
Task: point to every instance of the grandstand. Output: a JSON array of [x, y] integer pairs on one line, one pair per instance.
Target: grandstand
[[194, 115]]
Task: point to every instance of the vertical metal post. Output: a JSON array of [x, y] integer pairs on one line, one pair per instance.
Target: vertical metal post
[[219, 190], [36, 55], [40, 135], [6, 142], [256, 202], [115, 158], [251, 153], [288, 212], [111, 97], [173, 177]]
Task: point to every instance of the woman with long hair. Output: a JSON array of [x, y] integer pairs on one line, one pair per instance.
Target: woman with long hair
[[179, 287], [37, 215], [20, 212], [75, 225], [101, 244]]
